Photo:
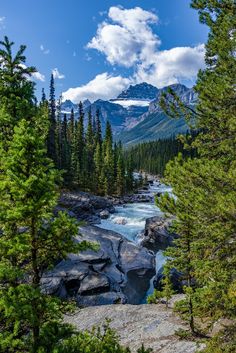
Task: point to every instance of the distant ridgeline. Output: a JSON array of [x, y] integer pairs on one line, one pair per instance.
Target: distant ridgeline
[[135, 115], [153, 156]]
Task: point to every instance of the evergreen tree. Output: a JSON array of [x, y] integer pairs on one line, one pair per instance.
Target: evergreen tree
[[129, 179], [16, 90], [98, 136], [73, 142], [120, 179], [58, 134], [98, 162], [205, 186], [90, 140], [51, 141], [43, 98], [80, 147], [32, 239], [65, 154], [108, 167]]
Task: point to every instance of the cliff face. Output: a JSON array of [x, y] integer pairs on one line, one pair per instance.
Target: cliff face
[[150, 324]]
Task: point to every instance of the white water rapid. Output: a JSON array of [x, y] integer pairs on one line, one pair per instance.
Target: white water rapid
[[129, 220]]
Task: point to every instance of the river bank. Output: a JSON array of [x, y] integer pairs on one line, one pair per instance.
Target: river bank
[[124, 269]]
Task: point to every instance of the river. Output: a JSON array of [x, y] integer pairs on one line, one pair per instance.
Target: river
[[129, 221]]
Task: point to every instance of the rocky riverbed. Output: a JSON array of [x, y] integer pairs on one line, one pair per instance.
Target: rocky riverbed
[[119, 272], [129, 231]]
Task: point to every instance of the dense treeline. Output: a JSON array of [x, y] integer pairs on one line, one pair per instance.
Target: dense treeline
[[205, 189], [90, 161], [153, 156], [32, 237]]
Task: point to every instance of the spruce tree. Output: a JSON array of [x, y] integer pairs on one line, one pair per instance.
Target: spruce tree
[[80, 150], [205, 185], [98, 135], [108, 167], [43, 98], [90, 146], [16, 90], [51, 140], [120, 178]]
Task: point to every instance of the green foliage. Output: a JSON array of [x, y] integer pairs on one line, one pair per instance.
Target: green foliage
[[32, 239], [152, 157], [144, 350], [98, 340], [89, 161], [183, 334], [51, 139], [222, 342], [16, 90], [155, 297], [204, 186]]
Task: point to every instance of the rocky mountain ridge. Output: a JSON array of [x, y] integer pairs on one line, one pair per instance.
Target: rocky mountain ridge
[[135, 115]]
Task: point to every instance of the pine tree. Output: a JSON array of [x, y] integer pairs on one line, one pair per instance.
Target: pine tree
[[16, 90], [51, 141], [120, 179], [90, 141], [129, 179], [43, 98], [98, 162], [108, 168], [205, 186], [29, 196], [32, 238], [98, 136], [65, 152], [80, 151], [58, 134]]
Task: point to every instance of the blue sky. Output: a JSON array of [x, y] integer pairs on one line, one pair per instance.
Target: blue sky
[[99, 47]]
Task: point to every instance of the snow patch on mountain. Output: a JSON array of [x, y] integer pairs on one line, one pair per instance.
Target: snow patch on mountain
[[126, 103]]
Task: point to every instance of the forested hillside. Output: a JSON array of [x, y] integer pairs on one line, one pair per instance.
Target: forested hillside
[[44, 154], [152, 157]]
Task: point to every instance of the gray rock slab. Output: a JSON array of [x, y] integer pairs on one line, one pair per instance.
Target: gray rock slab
[[150, 324]]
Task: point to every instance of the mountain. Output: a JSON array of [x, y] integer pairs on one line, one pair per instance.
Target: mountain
[[154, 124], [120, 117], [140, 91], [135, 115], [122, 112], [67, 105]]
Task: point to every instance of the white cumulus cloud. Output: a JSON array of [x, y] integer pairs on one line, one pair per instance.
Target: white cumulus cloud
[[129, 39], [57, 74], [103, 86], [172, 66], [126, 38]]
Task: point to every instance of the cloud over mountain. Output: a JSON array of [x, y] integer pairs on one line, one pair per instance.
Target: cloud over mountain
[[103, 86], [127, 39]]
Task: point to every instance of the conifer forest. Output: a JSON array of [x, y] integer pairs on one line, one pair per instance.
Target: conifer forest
[[118, 197]]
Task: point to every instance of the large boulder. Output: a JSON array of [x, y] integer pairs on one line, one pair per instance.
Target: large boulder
[[156, 235], [119, 272], [85, 206]]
